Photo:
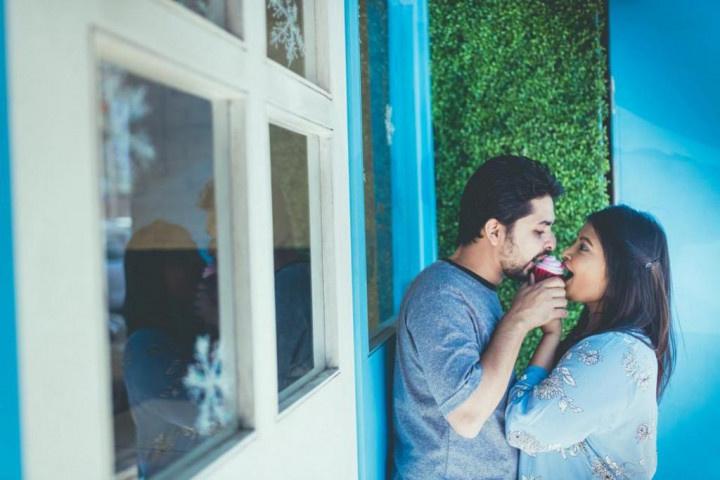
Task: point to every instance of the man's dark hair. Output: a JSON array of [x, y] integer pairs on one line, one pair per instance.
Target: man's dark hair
[[502, 188]]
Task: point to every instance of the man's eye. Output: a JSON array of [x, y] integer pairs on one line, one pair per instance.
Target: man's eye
[[538, 233]]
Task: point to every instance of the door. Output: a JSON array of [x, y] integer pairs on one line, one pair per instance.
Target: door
[[183, 255], [10, 463], [392, 196]]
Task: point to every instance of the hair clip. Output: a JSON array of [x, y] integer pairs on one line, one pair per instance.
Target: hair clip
[[652, 263]]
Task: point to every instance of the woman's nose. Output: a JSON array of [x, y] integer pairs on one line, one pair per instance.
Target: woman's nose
[[566, 256]]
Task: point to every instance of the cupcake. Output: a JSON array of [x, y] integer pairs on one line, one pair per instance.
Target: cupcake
[[548, 267]]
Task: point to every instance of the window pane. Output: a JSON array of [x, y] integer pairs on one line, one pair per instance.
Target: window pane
[[292, 248], [289, 35], [377, 140], [171, 394], [224, 13]]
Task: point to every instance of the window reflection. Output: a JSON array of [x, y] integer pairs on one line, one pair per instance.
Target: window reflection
[[378, 133], [293, 279], [171, 391]]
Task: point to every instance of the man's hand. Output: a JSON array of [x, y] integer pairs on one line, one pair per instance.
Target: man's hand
[[537, 304]]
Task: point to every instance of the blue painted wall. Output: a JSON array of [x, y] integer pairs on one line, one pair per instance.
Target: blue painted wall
[[10, 458], [665, 65]]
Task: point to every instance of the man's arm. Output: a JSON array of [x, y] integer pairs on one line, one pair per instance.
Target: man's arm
[[534, 306]]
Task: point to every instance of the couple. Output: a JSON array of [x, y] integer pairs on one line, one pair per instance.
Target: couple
[[586, 407]]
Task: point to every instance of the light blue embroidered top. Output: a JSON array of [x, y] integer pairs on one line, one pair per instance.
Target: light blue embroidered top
[[594, 416]]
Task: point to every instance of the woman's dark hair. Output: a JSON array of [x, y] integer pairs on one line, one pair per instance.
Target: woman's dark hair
[[154, 254], [502, 188], [637, 297]]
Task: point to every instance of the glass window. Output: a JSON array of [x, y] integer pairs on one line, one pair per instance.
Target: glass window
[[290, 35], [224, 13], [377, 140], [172, 378], [296, 318]]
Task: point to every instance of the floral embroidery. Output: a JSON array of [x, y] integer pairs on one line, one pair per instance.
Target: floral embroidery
[[572, 450], [529, 444], [548, 389], [590, 359], [607, 469], [553, 387], [634, 370], [643, 432], [589, 356]]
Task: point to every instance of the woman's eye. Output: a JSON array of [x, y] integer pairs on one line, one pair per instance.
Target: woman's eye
[[584, 248]]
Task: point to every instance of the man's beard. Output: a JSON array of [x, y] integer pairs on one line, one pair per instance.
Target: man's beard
[[516, 272], [511, 266]]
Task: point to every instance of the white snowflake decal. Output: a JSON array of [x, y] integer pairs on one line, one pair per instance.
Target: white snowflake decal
[[389, 127], [123, 105], [285, 30], [208, 387]]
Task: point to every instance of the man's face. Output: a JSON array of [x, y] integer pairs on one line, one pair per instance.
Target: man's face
[[530, 239]]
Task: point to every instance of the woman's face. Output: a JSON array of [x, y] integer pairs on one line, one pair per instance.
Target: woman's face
[[585, 259]]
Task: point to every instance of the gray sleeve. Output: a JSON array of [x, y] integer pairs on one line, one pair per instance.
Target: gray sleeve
[[448, 349]]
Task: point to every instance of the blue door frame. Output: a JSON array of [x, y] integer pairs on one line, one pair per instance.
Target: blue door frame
[[413, 203], [10, 457]]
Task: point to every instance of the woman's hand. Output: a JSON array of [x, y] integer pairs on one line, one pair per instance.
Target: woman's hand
[[553, 327]]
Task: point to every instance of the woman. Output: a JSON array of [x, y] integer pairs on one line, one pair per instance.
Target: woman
[[595, 414]]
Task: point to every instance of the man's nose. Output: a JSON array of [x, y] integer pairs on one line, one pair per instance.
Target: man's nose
[[550, 242]]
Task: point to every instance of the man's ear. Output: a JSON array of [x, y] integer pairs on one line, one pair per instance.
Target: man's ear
[[494, 231]]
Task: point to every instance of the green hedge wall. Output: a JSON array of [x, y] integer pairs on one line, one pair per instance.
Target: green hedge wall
[[521, 77]]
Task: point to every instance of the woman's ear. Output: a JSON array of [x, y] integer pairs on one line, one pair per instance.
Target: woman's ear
[[494, 231]]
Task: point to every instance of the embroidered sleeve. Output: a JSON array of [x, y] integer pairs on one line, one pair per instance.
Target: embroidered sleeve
[[593, 382]]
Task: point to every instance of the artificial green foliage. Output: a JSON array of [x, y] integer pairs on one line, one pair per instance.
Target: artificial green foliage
[[521, 77]]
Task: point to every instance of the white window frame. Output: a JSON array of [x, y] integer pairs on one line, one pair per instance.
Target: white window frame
[[56, 167]]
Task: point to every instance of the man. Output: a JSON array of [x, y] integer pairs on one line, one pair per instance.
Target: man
[[455, 354]]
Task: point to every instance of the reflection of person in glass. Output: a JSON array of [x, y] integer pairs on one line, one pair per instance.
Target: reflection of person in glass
[[206, 298], [293, 296], [293, 300], [162, 271]]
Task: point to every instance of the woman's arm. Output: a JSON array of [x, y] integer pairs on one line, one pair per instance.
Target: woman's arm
[[589, 387], [544, 355]]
